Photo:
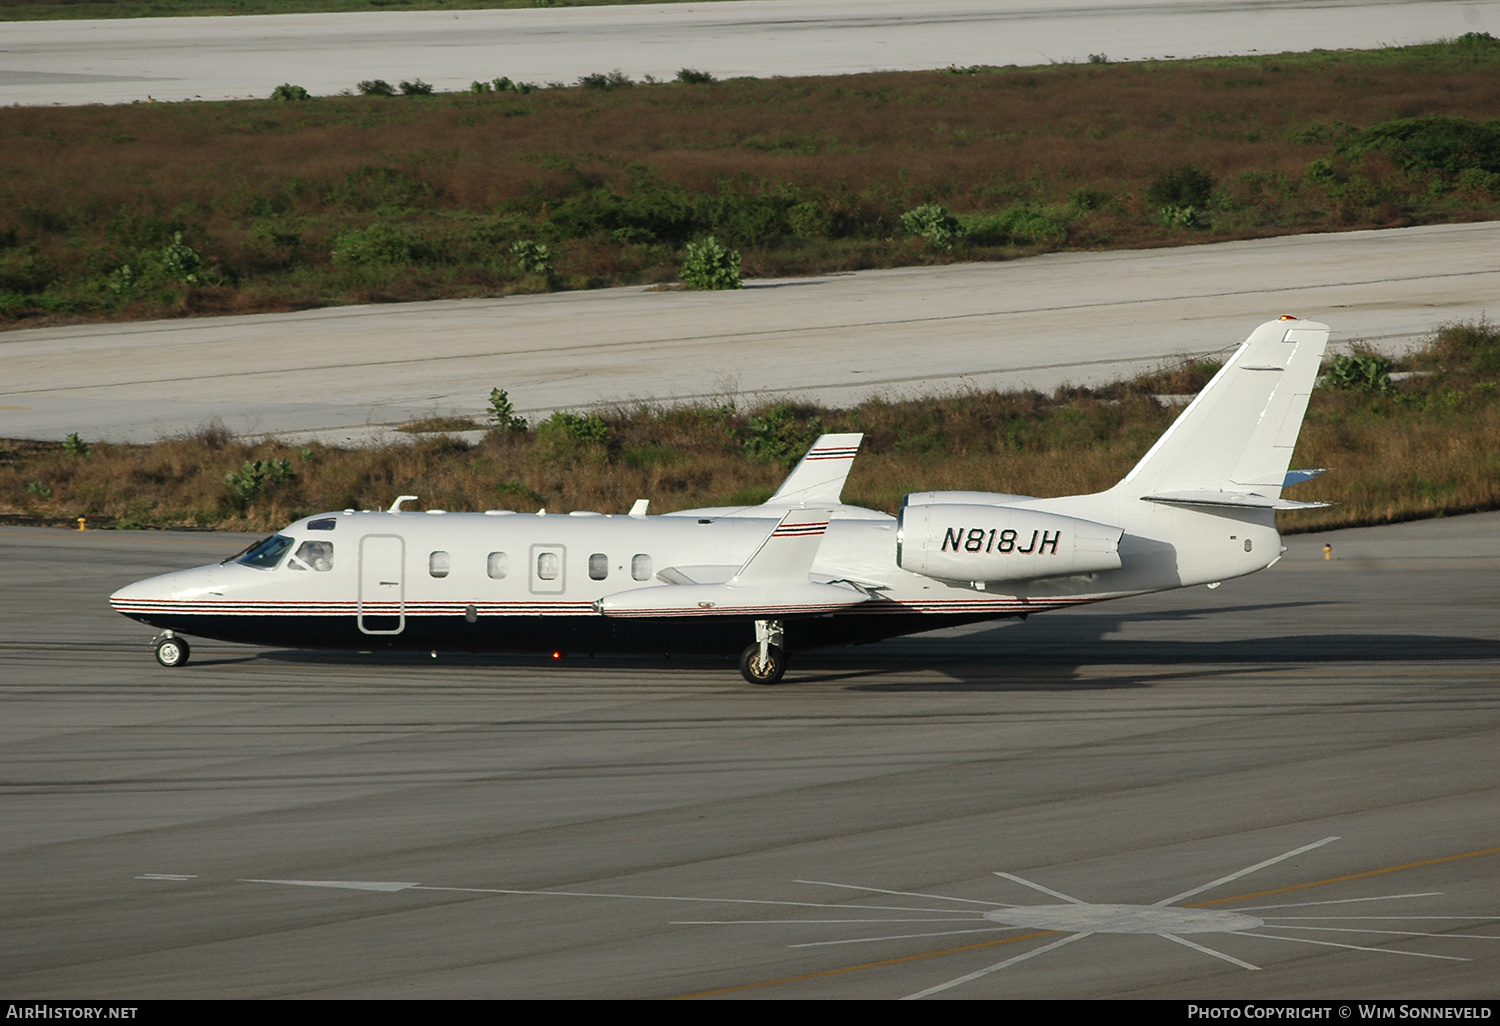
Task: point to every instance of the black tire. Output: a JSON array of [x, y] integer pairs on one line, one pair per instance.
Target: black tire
[[752, 669], [172, 652]]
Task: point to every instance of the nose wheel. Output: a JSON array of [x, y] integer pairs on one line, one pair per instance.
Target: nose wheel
[[765, 661], [171, 651], [765, 668]]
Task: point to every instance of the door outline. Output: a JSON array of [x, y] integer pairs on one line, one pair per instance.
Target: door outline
[[377, 575]]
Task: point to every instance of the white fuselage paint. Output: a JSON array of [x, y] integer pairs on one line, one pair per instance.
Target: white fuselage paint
[[1162, 547]]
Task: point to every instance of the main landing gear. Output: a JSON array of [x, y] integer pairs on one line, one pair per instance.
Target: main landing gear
[[765, 661], [171, 651]]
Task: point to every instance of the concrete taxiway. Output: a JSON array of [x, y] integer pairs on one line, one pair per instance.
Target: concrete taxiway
[[1303, 762], [349, 374], [212, 58]]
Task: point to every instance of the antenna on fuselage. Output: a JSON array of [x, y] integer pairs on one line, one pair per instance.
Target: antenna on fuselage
[[639, 509], [396, 506]]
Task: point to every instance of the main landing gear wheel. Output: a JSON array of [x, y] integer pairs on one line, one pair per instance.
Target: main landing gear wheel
[[763, 671], [172, 652]]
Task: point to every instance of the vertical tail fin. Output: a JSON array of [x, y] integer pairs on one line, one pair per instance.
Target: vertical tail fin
[[1237, 435], [819, 479]]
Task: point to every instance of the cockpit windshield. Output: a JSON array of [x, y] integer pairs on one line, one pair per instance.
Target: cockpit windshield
[[268, 553]]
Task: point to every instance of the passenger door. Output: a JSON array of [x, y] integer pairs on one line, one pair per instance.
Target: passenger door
[[382, 584]]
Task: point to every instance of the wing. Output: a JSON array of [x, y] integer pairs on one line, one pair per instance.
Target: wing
[[772, 583]]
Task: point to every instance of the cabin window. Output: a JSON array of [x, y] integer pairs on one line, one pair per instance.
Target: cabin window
[[547, 566], [268, 553], [437, 564], [497, 565], [598, 566], [312, 555], [640, 567]]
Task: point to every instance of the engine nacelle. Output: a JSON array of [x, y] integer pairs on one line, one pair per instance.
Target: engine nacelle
[[960, 542]]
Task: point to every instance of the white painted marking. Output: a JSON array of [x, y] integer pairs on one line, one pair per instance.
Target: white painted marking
[[994, 968], [1356, 947], [1245, 872], [899, 936], [1209, 951], [1384, 918], [168, 876], [1044, 890], [345, 885], [905, 894], [1086, 918], [1398, 933], [758, 922], [1338, 901]]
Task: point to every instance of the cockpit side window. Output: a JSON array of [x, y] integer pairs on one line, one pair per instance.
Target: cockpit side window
[[312, 555], [268, 553]]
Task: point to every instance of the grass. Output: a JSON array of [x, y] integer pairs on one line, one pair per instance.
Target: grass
[[1427, 446], [59, 10], [151, 210]]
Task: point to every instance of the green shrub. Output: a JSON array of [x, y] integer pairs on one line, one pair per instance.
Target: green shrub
[[567, 438], [932, 222], [1360, 373], [376, 87], [533, 257], [692, 76], [1186, 185], [1480, 180], [40, 490], [778, 437], [180, 262], [416, 88], [287, 92], [377, 244], [26, 272], [255, 476], [616, 79], [503, 417], [1432, 142], [75, 446], [1020, 225], [1180, 217], [709, 265], [1087, 199]]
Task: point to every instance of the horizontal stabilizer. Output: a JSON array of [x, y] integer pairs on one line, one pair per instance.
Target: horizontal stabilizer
[[819, 479], [1233, 500], [788, 554], [766, 600]]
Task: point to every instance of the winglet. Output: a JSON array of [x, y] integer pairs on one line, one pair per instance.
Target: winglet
[[819, 479], [788, 553]]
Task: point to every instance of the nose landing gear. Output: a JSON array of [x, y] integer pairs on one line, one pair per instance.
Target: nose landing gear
[[765, 661], [171, 651]]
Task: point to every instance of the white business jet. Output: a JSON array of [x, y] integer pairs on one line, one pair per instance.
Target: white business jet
[[799, 571]]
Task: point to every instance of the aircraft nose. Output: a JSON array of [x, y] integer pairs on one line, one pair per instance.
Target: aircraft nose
[[177, 585], [152, 589]]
